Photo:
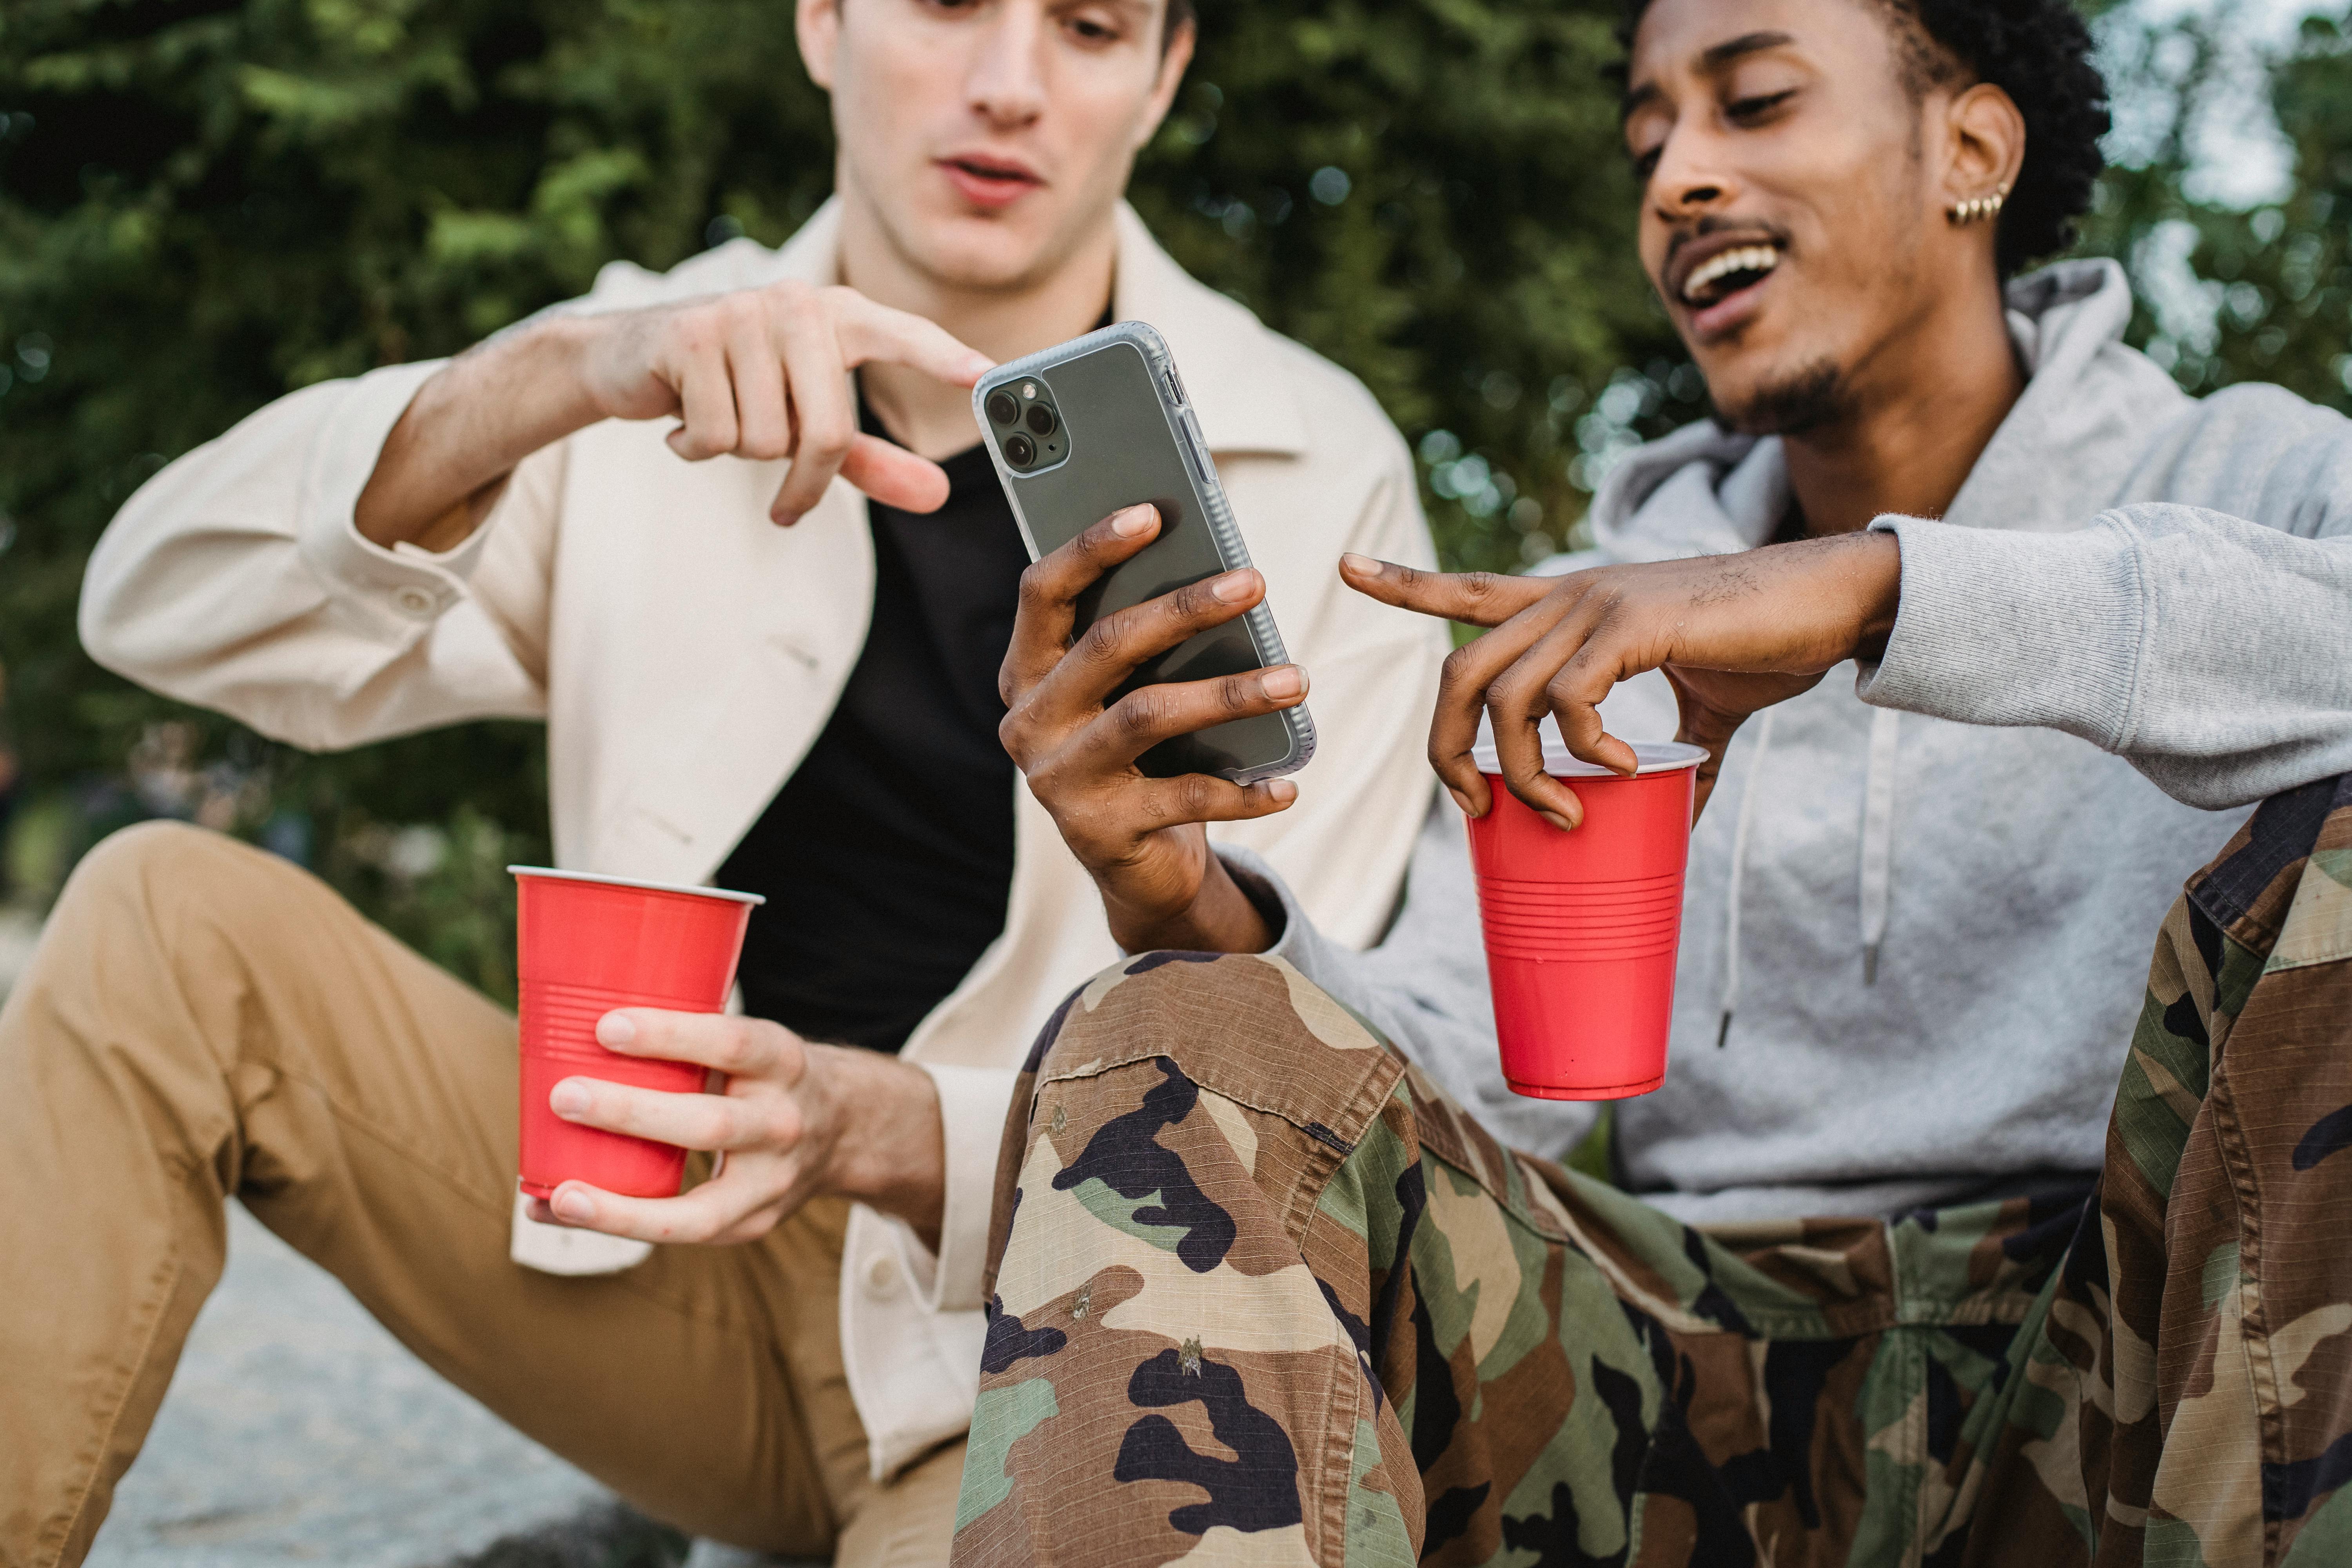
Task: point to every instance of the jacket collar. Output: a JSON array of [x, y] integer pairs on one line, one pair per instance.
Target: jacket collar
[[1233, 369]]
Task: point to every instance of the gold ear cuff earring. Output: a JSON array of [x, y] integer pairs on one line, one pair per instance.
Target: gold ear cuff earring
[[1976, 208]]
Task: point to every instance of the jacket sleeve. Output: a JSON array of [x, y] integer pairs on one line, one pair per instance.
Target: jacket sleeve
[[974, 1103], [235, 578], [1424, 986], [2211, 650]]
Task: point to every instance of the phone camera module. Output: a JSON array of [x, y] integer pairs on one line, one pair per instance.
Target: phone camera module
[[1019, 450], [1002, 408], [1040, 419]]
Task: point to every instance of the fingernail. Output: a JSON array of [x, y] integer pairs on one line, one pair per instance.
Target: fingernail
[[1135, 519], [1287, 682], [978, 365], [1232, 585], [783, 519], [1361, 566], [573, 1204], [1282, 790], [1463, 801], [568, 1098], [1556, 820], [615, 1029]]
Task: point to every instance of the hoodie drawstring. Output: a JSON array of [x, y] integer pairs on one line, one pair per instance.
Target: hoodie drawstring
[[1740, 875], [1877, 840]]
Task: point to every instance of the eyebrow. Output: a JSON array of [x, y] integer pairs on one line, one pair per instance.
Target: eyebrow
[[1718, 56], [1711, 59]]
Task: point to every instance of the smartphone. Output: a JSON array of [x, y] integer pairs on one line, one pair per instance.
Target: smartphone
[[1100, 423]]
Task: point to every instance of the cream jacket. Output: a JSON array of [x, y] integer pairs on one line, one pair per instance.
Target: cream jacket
[[685, 653]]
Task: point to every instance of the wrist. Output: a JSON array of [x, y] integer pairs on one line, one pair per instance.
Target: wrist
[[555, 359], [890, 1149], [1220, 917], [468, 427], [1880, 592]]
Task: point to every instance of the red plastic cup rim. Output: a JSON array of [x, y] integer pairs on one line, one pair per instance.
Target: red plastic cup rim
[[1649, 756], [639, 883]]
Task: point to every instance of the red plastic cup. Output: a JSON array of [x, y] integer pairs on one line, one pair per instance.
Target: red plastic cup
[[1581, 928], [588, 945]]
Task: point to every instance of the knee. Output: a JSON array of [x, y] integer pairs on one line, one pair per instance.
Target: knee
[[1240, 1022], [158, 876], [137, 860]]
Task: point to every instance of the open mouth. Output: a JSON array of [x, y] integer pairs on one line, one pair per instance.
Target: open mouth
[[1721, 276]]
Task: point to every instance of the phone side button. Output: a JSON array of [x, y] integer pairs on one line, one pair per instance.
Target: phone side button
[[1196, 449]]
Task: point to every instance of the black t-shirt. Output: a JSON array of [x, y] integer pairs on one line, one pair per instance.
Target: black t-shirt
[[886, 859]]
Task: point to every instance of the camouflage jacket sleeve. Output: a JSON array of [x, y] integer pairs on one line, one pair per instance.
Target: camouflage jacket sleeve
[[1425, 985]]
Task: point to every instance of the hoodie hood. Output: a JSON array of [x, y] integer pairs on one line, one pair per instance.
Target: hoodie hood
[[2082, 419]]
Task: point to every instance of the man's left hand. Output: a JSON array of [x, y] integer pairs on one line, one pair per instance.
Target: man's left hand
[[1733, 634], [794, 1119]]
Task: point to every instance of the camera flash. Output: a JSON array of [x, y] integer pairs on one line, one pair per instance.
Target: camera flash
[[1028, 389]]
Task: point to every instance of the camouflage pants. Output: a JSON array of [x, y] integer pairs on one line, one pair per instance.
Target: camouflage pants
[[1260, 1295]]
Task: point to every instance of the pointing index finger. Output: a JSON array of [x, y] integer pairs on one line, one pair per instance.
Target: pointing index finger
[[1476, 598], [869, 331]]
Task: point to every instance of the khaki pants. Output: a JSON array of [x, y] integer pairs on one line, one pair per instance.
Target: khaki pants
[[204, 1021]]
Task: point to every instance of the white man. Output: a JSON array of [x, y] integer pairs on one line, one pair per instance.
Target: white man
[[579, 521]]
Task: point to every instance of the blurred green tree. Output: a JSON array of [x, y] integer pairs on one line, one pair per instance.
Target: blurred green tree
[[2226, 294], [204, 204]]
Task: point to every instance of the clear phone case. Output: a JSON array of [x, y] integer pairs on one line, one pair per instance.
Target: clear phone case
[[1118, 430]]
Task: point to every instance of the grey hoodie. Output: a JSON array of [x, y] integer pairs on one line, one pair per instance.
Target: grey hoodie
[[1921, 903]]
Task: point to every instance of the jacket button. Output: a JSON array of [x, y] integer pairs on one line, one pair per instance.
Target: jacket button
[[414, 601], [881, 1276]]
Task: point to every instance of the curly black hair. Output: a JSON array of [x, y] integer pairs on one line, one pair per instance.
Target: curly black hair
[[2038, 52]]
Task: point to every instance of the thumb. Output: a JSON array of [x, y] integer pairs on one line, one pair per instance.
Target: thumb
[[1702, 724]]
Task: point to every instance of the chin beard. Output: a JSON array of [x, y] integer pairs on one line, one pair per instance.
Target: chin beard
[[1802, 401]]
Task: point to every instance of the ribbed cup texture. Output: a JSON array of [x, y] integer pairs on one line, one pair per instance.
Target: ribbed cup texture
[[1567, 922], [561, 1021]]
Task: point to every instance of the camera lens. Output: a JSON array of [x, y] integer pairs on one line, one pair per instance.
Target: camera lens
[[1040, 419], [1019, 450], [1002, 408]]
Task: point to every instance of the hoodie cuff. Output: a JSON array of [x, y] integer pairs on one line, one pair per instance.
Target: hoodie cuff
[[398, 589], [1296, 942], [973, 1105], [2015, 628]]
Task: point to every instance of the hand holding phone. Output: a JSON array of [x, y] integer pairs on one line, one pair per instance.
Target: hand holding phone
[[1079, 726], [1101, 423]]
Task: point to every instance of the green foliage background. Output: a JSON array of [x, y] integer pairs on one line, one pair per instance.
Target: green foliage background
[[204, 204]]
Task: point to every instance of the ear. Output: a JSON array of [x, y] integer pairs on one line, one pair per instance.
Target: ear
[[1984, 143], [818, 25], [1172, 61]]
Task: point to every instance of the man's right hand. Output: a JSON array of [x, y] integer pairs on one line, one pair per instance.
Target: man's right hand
[[764, 374], [759, 373], [1077, 743]]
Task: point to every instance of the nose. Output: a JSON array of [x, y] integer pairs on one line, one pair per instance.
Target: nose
[[1689, 177], [1006, 87]]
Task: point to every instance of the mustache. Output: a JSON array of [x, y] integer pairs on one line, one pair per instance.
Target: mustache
[[1706, 228]]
